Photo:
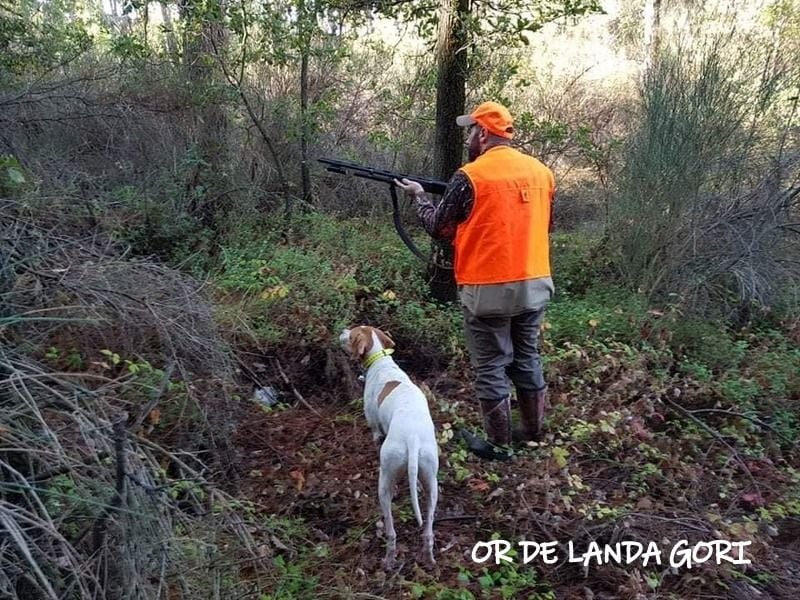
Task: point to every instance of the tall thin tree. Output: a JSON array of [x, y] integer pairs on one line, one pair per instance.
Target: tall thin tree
[[451, 82]]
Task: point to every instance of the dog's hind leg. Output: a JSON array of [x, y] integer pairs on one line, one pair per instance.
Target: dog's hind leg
[[385, 493], [431, 487]]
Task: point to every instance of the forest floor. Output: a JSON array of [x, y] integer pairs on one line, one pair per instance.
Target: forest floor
[[621, 462]]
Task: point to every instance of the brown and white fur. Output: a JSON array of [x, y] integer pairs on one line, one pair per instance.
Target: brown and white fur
[[397, 412]]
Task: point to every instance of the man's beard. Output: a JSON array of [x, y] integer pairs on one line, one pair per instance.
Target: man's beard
[[473, 149]]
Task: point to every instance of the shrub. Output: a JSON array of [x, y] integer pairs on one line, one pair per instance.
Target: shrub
[[336, 274], [707, 344], [578, 262], [604, 312], [707, 184], [158, 225]]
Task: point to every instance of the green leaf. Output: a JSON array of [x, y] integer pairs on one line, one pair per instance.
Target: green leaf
[[15, 176], [560, 455], [653, 581]]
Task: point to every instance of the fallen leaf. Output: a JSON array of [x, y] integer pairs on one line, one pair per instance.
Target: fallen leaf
[[154, 416], [496, 493], [752, 500], [639, 430], [476, 485], [279, 544], [299, 479]]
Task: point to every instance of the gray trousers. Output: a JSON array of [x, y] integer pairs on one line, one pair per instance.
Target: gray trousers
[[503, 348]]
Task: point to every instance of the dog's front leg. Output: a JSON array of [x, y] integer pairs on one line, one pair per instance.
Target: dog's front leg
[[373, 420], [378, 437], [385, 492]]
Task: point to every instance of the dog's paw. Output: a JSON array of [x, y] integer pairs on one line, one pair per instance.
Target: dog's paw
[[389, 564], [425, 558]]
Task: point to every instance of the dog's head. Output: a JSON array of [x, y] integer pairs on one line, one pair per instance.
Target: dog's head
[[363, 340]]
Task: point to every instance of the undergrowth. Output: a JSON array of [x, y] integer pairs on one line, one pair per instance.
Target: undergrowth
[[338, 273], [654, 412]]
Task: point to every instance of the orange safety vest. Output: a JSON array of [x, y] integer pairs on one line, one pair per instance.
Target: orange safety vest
[[506, 236]]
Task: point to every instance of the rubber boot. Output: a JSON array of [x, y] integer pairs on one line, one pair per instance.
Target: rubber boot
[[531, 412], [497, 424]]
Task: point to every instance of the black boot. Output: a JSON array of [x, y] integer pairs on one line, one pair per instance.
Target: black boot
[[531, 412], [497, 424]]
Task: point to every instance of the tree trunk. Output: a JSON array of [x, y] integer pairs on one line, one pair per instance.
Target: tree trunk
[[304, 170], [451, 59], [210, 121], [652, 31], [451, 80], [169, 32]]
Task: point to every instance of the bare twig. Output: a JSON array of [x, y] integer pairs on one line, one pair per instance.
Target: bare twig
[[297, 394], [750, 418], [136, 423], [717, 436], [19, 539]]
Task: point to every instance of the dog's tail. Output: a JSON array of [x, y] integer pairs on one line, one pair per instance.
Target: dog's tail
[[413, 468]]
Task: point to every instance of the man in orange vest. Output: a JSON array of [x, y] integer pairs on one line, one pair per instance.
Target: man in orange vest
[[497, 211]]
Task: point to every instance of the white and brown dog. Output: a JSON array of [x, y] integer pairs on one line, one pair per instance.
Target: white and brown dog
[[397, 412]]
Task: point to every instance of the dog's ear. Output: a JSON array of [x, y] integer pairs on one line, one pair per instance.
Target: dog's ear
[[360, 341], [384, 339]]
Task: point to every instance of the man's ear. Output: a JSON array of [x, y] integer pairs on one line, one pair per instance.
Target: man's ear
[[360, 342], [384, 339]]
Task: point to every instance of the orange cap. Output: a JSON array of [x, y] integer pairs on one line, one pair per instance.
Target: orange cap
[[492, 116]]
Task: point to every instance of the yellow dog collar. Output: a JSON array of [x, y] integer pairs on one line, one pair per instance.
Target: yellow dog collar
[[373, 358]]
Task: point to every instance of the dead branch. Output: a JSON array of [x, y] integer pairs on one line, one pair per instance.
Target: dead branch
[[750, 418], [297, 394], [136, 423], [717, 436]]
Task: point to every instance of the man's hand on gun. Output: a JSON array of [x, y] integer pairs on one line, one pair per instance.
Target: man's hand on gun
[[412, 188], [419, 189]]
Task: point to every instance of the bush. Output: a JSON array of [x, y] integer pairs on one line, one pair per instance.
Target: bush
[[336, 274], [707, 343], [604, 312], [158, 225], [578, 261], [707, 184]]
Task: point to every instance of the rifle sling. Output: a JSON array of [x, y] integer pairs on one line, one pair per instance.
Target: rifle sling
[[398, 225]]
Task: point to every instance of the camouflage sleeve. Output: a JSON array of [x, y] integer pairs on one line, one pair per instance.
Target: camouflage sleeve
[[440, 220]]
